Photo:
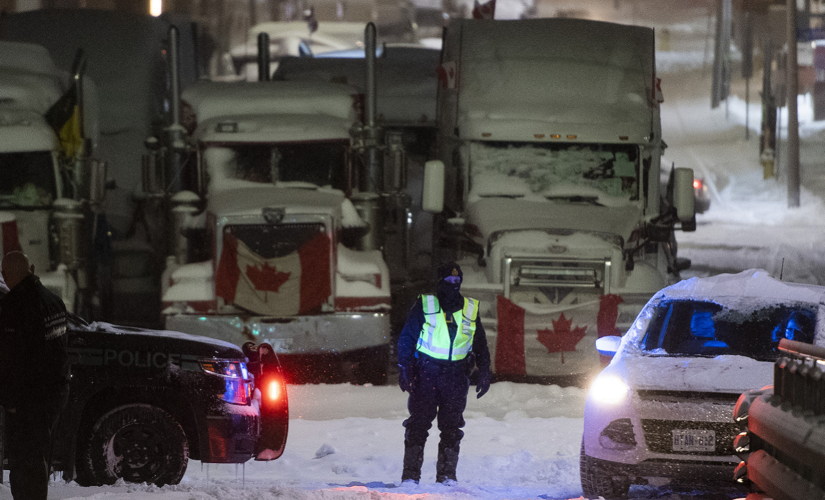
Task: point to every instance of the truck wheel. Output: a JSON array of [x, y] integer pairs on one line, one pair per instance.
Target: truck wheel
[[596, 482], [139, 443]]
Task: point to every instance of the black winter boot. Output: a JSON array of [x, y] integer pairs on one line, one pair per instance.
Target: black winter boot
[[413, 459], [446, 465]]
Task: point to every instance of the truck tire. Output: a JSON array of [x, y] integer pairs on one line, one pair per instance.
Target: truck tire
[[140, 443], [597, 483]]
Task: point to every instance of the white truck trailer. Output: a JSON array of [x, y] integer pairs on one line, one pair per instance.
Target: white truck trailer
[[265, 235], [550, 133]]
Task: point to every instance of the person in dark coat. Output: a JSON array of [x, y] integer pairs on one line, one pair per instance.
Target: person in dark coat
[[442, 341], [34, 374]]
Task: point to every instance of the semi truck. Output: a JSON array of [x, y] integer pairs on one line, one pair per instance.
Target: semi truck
[[266, 242], [50, 189], [550, 137]]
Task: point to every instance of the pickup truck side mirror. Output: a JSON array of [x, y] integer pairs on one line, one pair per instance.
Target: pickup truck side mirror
[[433, 195], [683, 198], [609, 345]]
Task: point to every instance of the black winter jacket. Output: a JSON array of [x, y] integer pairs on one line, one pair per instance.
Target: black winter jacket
[[33, 358]]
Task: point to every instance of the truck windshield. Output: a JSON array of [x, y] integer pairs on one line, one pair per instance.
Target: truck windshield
[[27, 179], [697, 328], [318, 163], [599, 173]]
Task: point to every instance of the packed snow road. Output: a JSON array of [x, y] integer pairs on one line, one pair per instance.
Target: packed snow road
[[346, 443]]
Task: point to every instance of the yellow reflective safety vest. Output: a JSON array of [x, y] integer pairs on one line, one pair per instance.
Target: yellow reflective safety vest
[[434, 340]]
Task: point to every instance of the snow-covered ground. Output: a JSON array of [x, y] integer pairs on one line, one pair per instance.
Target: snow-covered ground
[[522, 441]]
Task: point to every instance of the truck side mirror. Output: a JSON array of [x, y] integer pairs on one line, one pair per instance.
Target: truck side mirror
[[433, 195], [683, 197], [97, 184]]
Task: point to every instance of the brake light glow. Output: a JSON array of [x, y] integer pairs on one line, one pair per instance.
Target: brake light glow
[[697, 184], [273, 390]]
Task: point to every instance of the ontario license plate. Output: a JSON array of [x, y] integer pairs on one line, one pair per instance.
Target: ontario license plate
[[693, 440]]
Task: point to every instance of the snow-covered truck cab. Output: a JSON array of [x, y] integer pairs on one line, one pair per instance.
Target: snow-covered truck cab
[[38, 192], [552, 168], [275, 157]]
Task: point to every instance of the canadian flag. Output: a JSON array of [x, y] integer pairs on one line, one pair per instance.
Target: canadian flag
[[528, 341], [447, 74], [485, 10], [9, 238], [295, 284]]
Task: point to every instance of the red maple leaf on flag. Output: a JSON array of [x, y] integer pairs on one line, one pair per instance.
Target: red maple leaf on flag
[[561, 338], [267, 278]]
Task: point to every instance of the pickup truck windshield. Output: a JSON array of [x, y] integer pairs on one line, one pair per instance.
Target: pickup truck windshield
[[27, 179], [319, 163], [558, 172], [696, 328]]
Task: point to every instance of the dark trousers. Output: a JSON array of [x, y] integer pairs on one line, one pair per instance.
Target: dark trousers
[[439, 390], [30, 429]]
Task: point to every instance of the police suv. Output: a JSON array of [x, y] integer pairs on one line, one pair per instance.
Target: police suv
[[143, 402]]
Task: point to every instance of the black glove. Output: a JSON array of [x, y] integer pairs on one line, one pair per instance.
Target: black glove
[[483, 384], [405, 378]]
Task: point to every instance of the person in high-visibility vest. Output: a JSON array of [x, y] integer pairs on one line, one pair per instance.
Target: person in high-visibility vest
[[441, 343]]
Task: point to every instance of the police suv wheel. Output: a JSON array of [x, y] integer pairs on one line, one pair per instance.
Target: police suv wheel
[[596, 482], [139, 443]]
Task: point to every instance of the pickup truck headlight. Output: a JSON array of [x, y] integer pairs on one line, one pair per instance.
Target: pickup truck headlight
[[609, 389], [236, 379]]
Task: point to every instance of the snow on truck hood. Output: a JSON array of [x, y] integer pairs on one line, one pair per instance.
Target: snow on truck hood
[[295, 200], [491, 215]]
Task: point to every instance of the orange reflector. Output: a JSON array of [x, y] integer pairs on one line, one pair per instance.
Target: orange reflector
[[623, 137], [486, 134], [538, 136], [555, 136], [273, 390], [572, 136]]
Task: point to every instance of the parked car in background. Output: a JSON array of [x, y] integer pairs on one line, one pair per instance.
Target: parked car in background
[[663, 407], [701, 195]]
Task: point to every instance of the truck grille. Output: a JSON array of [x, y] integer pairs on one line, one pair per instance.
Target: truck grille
[[275, 240], [556, 272], [658, 435]]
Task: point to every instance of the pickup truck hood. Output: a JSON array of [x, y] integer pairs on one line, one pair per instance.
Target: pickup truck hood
[[491, 215], [250, 201]]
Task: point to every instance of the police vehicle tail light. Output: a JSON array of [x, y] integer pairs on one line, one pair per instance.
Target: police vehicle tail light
[[608, 390], [236, 380], [273, 390]]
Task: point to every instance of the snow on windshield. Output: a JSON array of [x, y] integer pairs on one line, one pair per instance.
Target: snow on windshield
[[595, 173], [698, 328]]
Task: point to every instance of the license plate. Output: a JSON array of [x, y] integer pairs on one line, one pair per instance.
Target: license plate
[[693, 440]]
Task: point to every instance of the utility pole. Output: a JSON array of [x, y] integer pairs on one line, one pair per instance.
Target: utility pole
[[793, 115]]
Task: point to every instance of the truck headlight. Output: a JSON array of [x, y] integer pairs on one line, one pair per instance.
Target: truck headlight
[[608, 389], [236, 379]]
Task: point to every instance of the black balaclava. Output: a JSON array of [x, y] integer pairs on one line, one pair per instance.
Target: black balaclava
[[449, 294]]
